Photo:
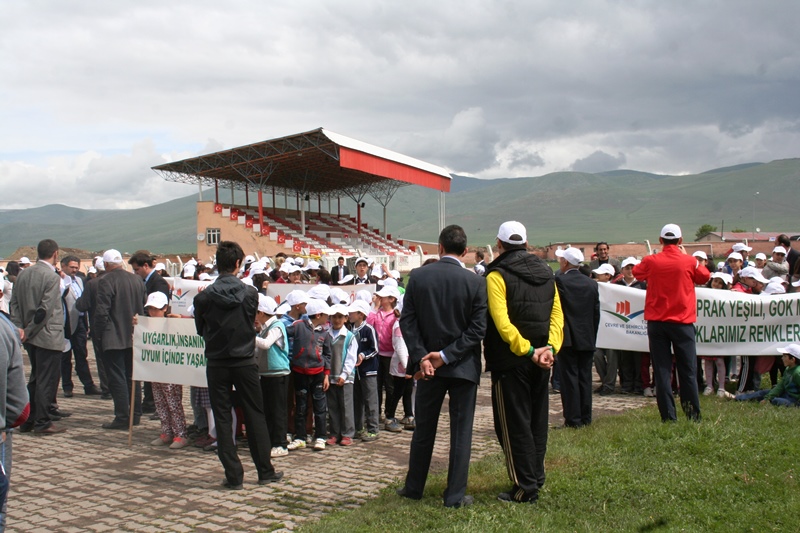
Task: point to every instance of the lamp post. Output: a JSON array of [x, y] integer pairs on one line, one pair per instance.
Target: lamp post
[[754, 214]]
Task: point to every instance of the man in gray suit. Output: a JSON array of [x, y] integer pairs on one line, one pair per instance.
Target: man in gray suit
[[120, 297], [443, 323], [36, 308]]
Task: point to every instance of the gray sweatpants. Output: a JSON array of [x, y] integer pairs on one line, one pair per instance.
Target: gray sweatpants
[[340, 410]]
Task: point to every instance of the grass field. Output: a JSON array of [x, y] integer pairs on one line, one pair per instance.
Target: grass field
[[737, 470]]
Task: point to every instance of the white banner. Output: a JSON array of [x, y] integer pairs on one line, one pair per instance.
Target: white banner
[[183, 293], [728, 323], [168, 350], [280, 290]]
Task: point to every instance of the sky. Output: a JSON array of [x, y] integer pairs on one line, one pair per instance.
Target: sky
[[94, 94]]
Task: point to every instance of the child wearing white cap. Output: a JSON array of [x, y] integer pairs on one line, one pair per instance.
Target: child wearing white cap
[[344, 355], [787, 392], [272, 355], [367, 409], [403, 385], [168, 397], [382, 319], [778, 266]]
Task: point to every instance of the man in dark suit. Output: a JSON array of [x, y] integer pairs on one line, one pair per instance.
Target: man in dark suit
[[339, 271], [580, 301], [120, 297], [36, 308], [443, 323], [143, 263], [525, 331]]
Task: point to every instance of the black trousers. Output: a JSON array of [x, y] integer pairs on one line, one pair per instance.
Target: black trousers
[[306, 385], [42, 384], [274, 390], [430, 395], [78, 341], [101, 368], [520, 403], [385, 381], [221, 380], [666, 338], [576, 386], [119, 372], [401, 388]]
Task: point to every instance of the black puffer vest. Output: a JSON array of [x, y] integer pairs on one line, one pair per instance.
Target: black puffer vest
[[530, 291]]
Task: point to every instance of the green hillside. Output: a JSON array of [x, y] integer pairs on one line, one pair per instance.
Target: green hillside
[[617, 206]]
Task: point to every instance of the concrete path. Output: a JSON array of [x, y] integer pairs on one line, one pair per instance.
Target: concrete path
[[88, 479]]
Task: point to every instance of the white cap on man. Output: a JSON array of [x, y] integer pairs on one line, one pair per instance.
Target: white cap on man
[[112, 257], [671, 231], [157, 299], [24, 261], [571, 255], [512, 232], [741, 247], [753, 273], [700, 254]]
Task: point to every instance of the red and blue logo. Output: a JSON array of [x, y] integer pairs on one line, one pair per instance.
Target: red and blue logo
[[623, 311]]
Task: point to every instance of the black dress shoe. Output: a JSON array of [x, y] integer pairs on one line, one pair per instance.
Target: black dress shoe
[[52, 429], [465, 501], [115, 424], [59, 412], [137, 420], [231, 486], [26, 428], [93, 391], [106, 396], [402, 491], [68, 394], [148, 409], [272, 478]]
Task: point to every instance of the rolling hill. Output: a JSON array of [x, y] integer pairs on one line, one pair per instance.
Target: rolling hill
[[617, 206]]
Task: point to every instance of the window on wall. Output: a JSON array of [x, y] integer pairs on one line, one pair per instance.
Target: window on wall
[[212, 236]]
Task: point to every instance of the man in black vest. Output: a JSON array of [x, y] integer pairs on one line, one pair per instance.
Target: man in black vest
[[524, 333], [580, 301], [443, 322]]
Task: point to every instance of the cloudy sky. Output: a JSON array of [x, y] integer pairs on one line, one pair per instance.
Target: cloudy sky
[[93, 94]]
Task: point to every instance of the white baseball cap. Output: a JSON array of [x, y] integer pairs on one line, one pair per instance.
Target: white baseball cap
[[338, 295], [92, 270], [388, 291], [762, 256], [779, 250], [205, 276], [395, 274], [792, 349], [512, 232], [283, 308], [297, 297], [359, 306], [24, 261], [188, 270], [572, 255], [633, 261], [320, 292], [312, 265], [316, 307], [774, 287], [604, 269], [671, 231], [740, 246], [701, 254], [160, 266], [347, 279], [364, 259], [724, 276], [98, 263], [753, 273], [735, 255], [291, 269], [389, 282], [365, 296], [267, 304], [112, 256], [339, 309], [157, 299]]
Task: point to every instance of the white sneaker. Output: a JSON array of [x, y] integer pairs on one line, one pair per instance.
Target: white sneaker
[[319, 445], [648, 393], [708, 391], [278, 451], [722, 393], [296, 444]]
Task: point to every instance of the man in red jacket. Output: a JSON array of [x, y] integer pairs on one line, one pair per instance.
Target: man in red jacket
[[670, 309]]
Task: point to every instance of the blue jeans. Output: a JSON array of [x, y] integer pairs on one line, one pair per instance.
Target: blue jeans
[[782, 401]]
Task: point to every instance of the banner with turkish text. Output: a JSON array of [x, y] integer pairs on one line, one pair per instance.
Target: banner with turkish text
[[168, 350]]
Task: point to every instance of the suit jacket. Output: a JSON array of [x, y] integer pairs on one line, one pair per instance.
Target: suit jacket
[[580, 302], [69, 303], [444, 309], [120, 296], [335, 273], [36, 307], [156, 283]]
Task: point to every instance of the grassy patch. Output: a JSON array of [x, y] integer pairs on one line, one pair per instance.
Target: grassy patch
[[735, 471]]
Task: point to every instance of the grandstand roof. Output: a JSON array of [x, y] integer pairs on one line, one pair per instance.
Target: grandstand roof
[[318, 162]]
